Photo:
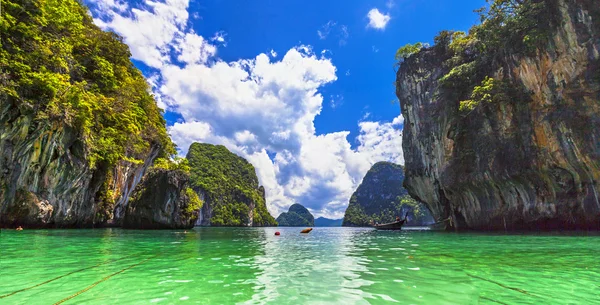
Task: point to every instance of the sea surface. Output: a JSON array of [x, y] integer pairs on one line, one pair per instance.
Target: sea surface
[[328, 266]]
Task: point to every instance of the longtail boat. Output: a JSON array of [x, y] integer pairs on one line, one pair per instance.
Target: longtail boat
[[396, 225]]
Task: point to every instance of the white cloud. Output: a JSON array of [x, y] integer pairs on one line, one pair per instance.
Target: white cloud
[[257, 108], [148, 30], [324, 31], [348, 72], [375, 49], [336, 100], [107, 5], [193, 49], [332, 26], [377, 20], [219, 37], [390, 4], [343, 36]]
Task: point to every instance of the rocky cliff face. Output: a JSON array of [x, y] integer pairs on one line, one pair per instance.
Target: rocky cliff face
[[46, 180], [228, 186], [380, 198], [296, 216], [78, 128], [163, 200], [531, 160]]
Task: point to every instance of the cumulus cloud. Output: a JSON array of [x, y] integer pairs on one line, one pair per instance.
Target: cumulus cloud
[[193, 49], [148, 30], [377, 20], [261, 108]]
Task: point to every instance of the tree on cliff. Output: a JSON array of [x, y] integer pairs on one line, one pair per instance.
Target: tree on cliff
[[60, 68]]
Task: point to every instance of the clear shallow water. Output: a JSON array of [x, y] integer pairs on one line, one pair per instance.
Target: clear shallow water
[[329, 265]]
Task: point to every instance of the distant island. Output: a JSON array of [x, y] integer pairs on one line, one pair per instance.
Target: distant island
[[326, 222], [296, 216]]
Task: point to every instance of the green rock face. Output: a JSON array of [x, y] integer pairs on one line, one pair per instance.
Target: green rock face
[[163, 200], [296, 216], [228, 185], [380, 198]]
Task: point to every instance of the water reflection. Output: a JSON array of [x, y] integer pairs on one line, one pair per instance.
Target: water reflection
[[302, 268], [327, 266]]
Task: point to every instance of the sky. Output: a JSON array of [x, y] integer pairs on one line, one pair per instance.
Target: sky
[[302, 89]]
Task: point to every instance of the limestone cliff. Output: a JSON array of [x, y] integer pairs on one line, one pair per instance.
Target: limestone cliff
[[163, 200], [513, 142], [228, 186], [381, 198], [78, 128]]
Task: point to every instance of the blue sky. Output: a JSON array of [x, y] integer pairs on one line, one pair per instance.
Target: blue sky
[[302, 89]]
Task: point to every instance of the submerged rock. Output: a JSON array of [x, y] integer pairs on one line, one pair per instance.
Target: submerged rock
[[296, 216], [529, 161], [380, 198], [163, 200]]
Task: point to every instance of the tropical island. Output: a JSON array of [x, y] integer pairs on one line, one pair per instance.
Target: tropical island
[[144, 146], [296, 216]]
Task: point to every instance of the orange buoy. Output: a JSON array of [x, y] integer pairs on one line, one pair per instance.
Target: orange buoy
[[307, 230], [277, 233]]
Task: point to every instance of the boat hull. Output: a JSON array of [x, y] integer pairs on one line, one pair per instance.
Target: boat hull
[[390, 226]]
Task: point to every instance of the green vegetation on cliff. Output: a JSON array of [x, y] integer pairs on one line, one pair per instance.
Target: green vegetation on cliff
[[75, 115], [470, 60], [231, 185], [296, 216], [380, 198], [58, 68]]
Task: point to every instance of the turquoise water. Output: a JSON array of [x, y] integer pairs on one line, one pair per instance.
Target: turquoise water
[[327, 266]]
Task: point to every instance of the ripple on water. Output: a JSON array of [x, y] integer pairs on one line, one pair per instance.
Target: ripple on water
[[336, 265], [157, 300]]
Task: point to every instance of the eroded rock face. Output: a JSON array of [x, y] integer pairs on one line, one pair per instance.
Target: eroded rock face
[[45, 179], [160, 201], [514, 165]]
